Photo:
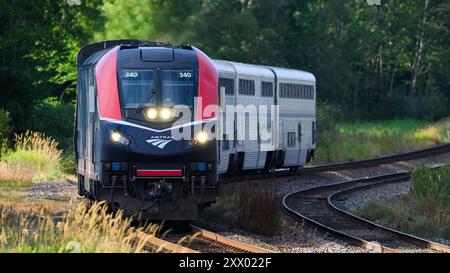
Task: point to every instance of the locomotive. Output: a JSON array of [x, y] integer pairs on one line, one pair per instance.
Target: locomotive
[[152, 135]]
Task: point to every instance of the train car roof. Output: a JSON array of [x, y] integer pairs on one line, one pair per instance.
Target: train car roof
[[286, 73], [265, 71], [252, 69], [225, 66]]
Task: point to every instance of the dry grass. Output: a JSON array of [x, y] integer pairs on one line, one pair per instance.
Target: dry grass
[[35, 157], [299, 232], [249, 207], [80, 229], [258, 210]]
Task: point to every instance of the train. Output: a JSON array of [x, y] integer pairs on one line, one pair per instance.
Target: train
[[157, 125]]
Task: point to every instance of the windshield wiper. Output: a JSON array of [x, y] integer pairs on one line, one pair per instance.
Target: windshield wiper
[[147, 99]]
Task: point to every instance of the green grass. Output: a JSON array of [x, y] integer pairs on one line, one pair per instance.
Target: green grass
[[223, 211], [432, 185], [365, 140], [410, 216], [43, 166], [425, 212], [33, 158], [16, 184]]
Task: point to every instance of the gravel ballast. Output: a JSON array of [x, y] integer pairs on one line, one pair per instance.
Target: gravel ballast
[[318, 241]]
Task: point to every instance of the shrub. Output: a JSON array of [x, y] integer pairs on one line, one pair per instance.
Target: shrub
[[432, 105], [55, 119], [258, 210], [5, 128], [81, 229], [328, 116], [35, 157]]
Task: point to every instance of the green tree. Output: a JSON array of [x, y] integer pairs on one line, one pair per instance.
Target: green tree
[[39, 41]]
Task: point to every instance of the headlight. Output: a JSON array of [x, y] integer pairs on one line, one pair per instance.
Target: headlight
[[202, 137], [118, 138], [151, 113], [165, 114]]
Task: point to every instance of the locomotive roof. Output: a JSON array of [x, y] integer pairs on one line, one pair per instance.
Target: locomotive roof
[[90, 54]]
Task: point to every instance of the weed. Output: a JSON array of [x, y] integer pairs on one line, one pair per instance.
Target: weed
[[81, 229], [364, 140], [258, 210], [35, 157]]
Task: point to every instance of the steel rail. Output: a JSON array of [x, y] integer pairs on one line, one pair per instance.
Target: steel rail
[[247, 176], [160, 245], [409, 237], [219, 239], [441, 149], [345, 225]]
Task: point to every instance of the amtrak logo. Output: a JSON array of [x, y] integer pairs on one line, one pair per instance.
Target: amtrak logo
[[159, 142]]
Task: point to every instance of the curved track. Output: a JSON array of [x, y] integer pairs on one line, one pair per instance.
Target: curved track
[[442, 149], [379, 161], [316, 207]]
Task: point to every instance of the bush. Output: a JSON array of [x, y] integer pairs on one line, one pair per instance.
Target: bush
[[55, 119], [328, 116], [5, 128], [430, 105], [258, 210], [35, 157]]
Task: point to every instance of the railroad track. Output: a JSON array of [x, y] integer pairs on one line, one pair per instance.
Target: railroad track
[[315, 206], [317, 198], [198, 241], [340, 166]]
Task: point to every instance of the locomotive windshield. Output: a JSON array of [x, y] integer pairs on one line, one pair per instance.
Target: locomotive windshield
[[136, 87], [175, 87]]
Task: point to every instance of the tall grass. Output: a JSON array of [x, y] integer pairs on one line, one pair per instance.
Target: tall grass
[[364, 140], [425, 212], [250, 208], [81, 229], [35, 157], [432, 185], [258, 210]]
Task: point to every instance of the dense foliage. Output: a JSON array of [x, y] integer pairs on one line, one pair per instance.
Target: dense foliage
[[39, 42], [374, 62]]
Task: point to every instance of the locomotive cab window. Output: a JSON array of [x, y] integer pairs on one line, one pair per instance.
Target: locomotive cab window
[[174, 87], [177, 88], [136, 87]]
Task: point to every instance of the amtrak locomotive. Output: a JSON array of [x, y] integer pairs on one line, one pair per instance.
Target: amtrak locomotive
[[134, 100]]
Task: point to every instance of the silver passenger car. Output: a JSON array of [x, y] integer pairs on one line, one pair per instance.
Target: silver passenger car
[[285, 138]]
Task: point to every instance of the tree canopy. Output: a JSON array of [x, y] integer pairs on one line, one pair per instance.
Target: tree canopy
[[374, 62]]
